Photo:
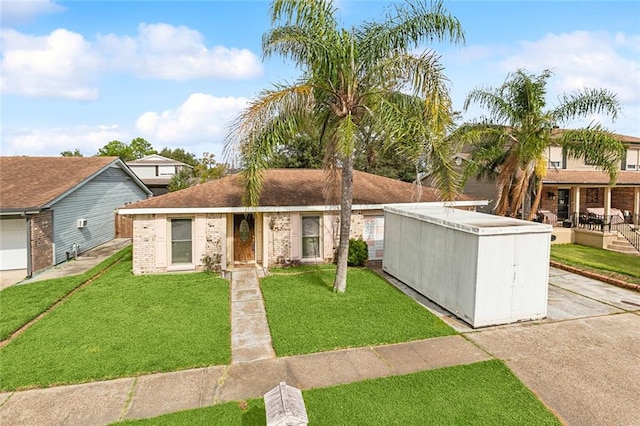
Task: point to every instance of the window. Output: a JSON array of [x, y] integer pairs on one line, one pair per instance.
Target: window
[[181, 246], [633, 159], [310, 236], [554, 157]]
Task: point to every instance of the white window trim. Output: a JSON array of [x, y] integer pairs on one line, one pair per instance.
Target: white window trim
[[320, 239], [175, 267]]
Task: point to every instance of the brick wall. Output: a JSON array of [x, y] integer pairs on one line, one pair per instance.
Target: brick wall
[[357, 225], [278, 237], [41, 241], [622, 199], [215, 234], [144, 245]]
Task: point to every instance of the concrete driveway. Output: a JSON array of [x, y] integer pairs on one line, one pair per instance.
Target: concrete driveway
[[84, 262], [583, 360]]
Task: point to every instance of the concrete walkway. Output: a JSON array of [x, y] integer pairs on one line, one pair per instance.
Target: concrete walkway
[[250, 335]]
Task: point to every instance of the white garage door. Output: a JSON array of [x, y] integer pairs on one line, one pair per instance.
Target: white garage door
[[13, 244]]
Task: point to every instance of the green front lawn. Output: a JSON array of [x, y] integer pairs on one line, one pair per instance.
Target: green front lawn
[[123, 325], [485, 393], [19, 304], [596, 260], [306, 316]]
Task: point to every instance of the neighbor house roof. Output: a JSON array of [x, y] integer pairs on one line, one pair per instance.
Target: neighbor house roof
[[156, 160], [36, 182], [590, 177], [291, 187]]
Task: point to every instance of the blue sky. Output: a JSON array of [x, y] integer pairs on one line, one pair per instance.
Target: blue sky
[[78, 74]]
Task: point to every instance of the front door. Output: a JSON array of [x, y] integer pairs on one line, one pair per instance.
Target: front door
[[563, 204], [243, 238]]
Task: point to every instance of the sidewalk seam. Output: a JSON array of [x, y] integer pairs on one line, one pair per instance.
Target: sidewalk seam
[[129, 400], [219, 385], [6, 399]]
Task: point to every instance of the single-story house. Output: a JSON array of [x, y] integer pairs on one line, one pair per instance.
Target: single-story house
[[208, 224], [54, 207]]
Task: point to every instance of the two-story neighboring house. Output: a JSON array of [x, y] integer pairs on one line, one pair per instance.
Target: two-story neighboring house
[[577, 194], [156, 171], [573, 188]]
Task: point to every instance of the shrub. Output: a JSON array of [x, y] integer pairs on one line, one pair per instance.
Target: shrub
[[358, 252]]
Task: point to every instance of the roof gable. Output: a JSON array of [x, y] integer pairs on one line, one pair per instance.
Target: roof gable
[[154, 160], [292, 187], [36, 182]]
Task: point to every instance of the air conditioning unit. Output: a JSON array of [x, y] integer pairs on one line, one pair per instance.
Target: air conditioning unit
[[82, 223]]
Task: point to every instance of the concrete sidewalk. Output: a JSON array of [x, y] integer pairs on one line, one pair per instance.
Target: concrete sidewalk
[[101, 403]]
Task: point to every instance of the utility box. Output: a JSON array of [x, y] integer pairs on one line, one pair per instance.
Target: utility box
[[484, 269], [284, 406]]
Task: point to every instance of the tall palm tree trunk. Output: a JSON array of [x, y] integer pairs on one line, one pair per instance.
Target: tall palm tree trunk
[[536, 201], [346, 201]]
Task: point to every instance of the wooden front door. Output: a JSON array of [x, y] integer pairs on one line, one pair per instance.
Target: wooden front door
[[243, 238]]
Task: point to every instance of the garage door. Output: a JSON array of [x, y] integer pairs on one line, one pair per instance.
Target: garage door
[[13, 244]]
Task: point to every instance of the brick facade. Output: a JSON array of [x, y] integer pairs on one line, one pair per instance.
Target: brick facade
[[215, 234], [278, 237], [149, 242], [147, 246], [621, 199], [144, 245], [41, 241]]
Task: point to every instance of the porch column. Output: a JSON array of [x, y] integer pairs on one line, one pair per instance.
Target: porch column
[[607, 203], [636, 206], [576, 205]]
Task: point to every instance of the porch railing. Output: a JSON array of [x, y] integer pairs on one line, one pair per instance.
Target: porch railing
[[611, 223]]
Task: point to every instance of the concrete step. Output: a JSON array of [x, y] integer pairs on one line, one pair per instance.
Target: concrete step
[[622, 246]]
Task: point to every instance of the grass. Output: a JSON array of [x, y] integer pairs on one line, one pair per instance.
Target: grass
[[123, 325], [617, 265], [476, 394], [306, 316], [19, 304]]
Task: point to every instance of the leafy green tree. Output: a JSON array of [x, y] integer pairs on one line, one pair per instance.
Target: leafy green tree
[[351, 80], [75, 153], [181, 180], [116, 148], [207, 169], [139, 148], [510, 144], [179, 154]]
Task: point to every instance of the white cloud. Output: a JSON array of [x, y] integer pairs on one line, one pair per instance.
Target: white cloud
[[57, 65], [176, 53], [64, 64], [583, 59], [51, 142], [200, 121], [19, 11]]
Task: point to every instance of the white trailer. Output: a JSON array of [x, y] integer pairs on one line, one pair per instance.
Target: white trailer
[[485, 269]]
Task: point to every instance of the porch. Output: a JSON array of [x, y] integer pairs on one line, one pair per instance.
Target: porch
[[599, 216]]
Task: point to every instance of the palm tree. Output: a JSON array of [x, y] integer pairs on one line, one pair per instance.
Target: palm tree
[[351, 81], [510, 144]]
